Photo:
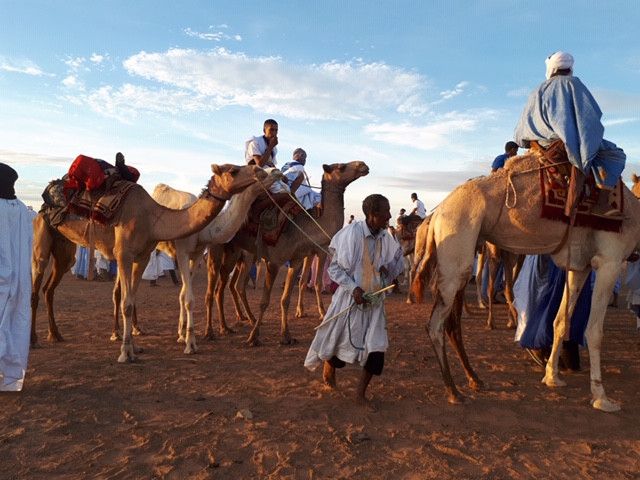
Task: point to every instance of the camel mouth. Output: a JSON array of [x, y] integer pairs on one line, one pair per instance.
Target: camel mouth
[[363, 169]]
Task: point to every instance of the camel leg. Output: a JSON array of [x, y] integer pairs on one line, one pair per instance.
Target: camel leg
[[186, 303], [38, 266], [49, 290], [439, 314], [493, 270], [409, 271], [239, 290], [322, 257], [125, 268], [512, 314], [271, 271], [116, 297], [453, 329], [213, 266], [136, 274], [482, 255], [292, 271], [306, 266], [575, 282], [605, 279]]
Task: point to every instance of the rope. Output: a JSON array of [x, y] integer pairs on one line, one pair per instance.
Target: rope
[[295, 199], [294, 223], [513, 174], [370, 297]]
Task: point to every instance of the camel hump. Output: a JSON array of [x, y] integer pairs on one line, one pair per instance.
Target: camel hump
[[171, 198]]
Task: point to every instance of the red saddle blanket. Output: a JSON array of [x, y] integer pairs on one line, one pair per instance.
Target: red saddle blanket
[[271, 222], [99, 205], [553, 186]]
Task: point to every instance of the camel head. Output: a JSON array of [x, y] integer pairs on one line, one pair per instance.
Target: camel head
[[342, 174], [229, 179], [636, 185]]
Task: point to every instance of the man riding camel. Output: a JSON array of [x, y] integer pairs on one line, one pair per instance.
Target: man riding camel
[[563, 109]]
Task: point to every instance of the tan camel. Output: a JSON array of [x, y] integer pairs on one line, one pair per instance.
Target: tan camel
[[49, 244], [141, 223], [188, 250], [292, 246], [483, 210]]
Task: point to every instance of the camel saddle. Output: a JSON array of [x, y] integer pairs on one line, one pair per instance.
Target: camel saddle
[[100, 205], [554, 185], [267, 220]]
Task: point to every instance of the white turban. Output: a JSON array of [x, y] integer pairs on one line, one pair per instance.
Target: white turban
[[558, 61]]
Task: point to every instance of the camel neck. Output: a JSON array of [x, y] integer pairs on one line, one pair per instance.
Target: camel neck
[[171, 224]]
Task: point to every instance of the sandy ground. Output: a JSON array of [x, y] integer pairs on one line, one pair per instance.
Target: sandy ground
[[170, 415]]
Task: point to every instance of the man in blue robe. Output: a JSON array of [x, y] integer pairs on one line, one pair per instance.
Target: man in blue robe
[[562, 108]]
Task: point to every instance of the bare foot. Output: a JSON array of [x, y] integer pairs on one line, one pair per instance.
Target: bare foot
[[329, 376]]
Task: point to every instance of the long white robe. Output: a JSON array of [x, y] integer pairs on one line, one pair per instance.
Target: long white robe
[[307, 197], [16, 236], [351, 337]]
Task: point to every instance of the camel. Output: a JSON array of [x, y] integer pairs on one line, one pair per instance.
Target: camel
[[49, 244], [188, 250], [292, 246], [141, 223], [512, 264], [406, 230], [504, 209]]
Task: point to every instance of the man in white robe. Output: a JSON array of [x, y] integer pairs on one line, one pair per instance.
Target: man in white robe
[[262, 151], [365, 258], [297, 178], [16, 236]]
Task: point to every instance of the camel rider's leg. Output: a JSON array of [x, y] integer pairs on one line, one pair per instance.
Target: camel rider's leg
[[574, 193], [296, 182]]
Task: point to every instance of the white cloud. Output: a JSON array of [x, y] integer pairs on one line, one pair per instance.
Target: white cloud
[[71, 81], [212, 36], [97, 58], [618, 121], [454, 92], [74, 63], [428, 136], [26, 67], [333, 90]]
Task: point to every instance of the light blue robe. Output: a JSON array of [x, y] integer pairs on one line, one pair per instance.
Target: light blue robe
[[563, 108]]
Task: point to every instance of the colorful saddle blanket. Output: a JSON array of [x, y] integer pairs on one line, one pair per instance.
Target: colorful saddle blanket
[[554, 182]]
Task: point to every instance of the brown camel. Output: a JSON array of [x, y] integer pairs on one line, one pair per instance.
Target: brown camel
[[504, 209], [141, 223], [49, 244], [292, 246], [188, 250]]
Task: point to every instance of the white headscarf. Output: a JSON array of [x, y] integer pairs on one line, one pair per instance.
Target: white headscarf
[[558, 61]]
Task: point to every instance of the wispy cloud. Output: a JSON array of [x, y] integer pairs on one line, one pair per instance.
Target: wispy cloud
[[23, 158], [218, 78], [212, 35], [617, 103], [519, 92], [437, 181], [428, 136], [455, 91], [619, 121], [26, 67], [97, 58]]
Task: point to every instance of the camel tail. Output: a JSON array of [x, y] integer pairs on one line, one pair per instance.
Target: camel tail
[[425, 264]]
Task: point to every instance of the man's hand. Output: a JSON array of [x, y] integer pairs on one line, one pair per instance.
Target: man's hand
[[358, 296], [273, 141]]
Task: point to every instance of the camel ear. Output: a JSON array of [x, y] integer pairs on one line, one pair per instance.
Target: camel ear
[[634, 178], [215, 168], [326, 168]]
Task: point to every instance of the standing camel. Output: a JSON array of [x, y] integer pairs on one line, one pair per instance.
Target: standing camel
[[292, 246], [141, 223], [476, 212], [188, 250]]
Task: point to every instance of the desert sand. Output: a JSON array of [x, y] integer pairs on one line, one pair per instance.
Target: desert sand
[[238, 412]]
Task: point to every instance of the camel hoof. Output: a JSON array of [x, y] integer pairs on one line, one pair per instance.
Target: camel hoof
[[511, 325], [288, 341], [181, 339], [455, 399], [190, 349], [137, 331], [226, 331], [476, 384], [208, 336], [553, 381], [253, 341], [126, 357], [299, 313], [605, 405], [409, 301], [115, 336], [490, 326], [55, 337]]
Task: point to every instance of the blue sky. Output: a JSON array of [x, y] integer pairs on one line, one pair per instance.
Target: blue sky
[[426, 93]]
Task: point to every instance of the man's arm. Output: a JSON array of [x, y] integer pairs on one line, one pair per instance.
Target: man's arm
[[264, 160]]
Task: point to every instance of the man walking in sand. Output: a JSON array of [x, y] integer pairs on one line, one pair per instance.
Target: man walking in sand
[[365, 258]]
